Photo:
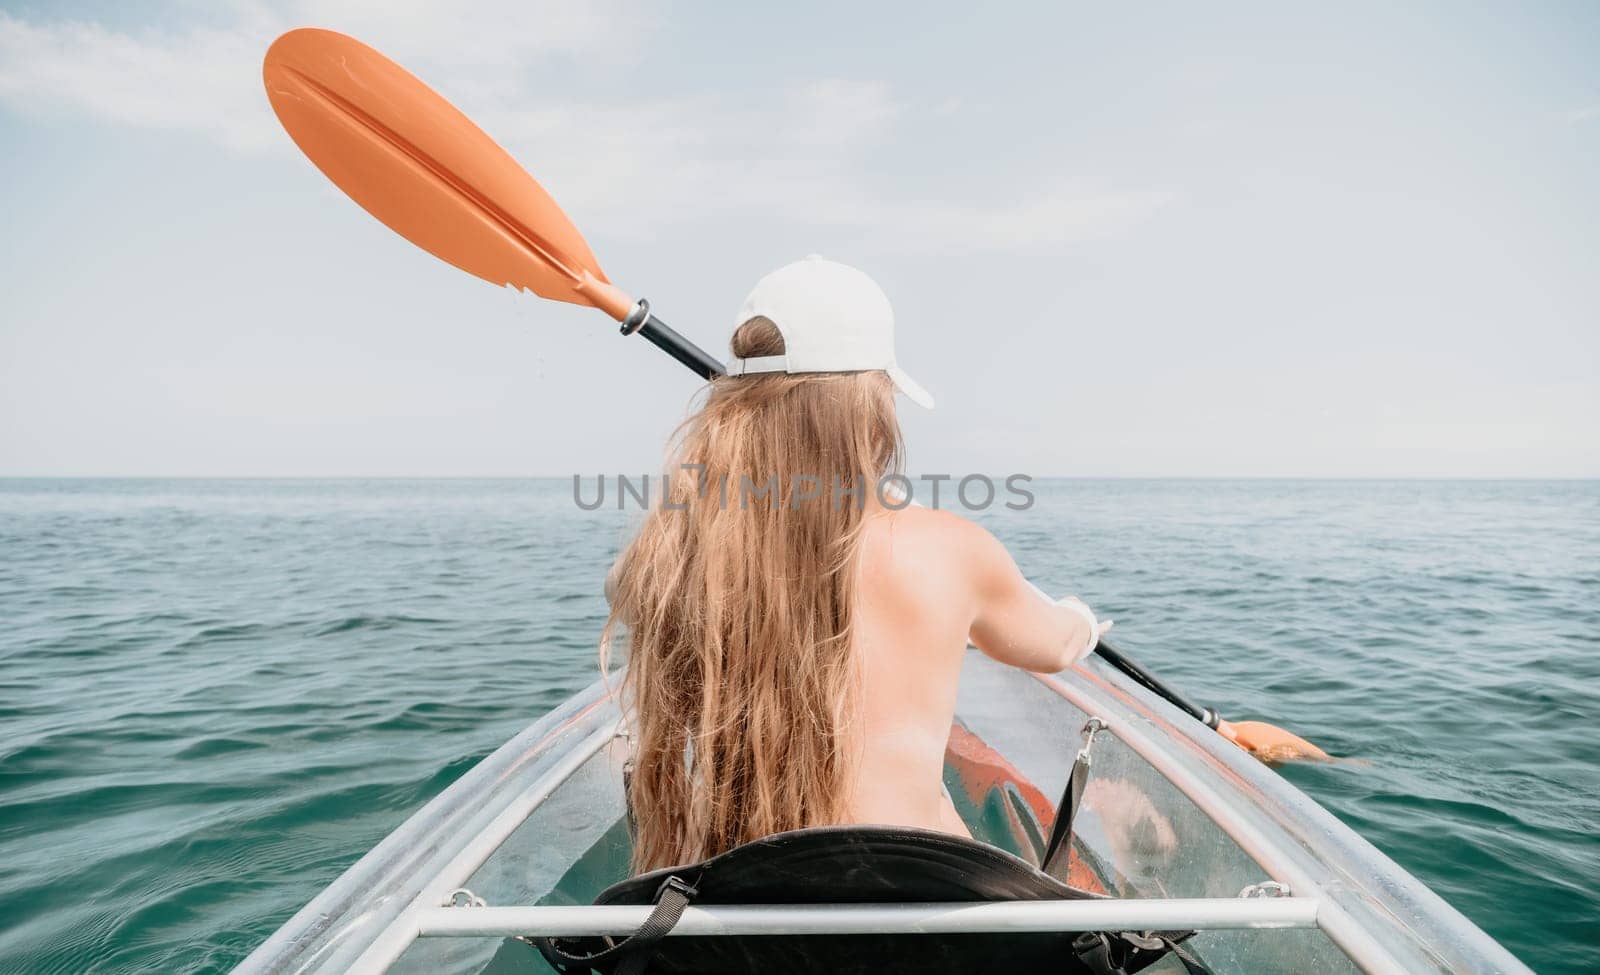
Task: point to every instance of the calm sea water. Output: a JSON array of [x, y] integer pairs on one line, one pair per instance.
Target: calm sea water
[[216, 695]]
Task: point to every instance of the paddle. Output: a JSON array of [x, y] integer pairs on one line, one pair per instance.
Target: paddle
[[412, 160], [1267, 742]]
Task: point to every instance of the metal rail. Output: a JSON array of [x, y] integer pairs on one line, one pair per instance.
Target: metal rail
[[946, 918]]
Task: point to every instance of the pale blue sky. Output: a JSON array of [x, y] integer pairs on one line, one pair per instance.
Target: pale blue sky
[[1240, 239]]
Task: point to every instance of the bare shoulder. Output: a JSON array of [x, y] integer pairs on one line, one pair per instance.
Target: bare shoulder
[[915, 587], [918, 523], [929, 539]]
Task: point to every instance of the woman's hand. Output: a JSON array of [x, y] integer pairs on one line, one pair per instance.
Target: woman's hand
[[1095, 626]]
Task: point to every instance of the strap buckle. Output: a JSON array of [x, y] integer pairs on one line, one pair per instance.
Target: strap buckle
[[676, 883], [1090, 728], [632, 953]]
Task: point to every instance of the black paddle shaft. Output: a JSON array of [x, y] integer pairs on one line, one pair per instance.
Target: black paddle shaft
[[1146, 679], [702, 364], [661, 335]]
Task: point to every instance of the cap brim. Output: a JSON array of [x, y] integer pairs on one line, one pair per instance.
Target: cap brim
[[913, 389]]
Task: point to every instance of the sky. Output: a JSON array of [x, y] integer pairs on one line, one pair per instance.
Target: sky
[[1223, 240]]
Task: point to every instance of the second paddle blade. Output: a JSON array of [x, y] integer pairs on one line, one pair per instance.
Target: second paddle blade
[[412, 160]]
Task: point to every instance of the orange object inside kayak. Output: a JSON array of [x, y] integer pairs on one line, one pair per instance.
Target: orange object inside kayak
[[415, 162]]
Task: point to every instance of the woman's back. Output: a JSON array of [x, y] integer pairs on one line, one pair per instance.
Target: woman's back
[[929, 582], [913, 612]]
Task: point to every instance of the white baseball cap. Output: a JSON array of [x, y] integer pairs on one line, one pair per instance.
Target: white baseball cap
[[833, 319]]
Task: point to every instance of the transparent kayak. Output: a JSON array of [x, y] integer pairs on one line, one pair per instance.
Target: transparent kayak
[[1181, 827]]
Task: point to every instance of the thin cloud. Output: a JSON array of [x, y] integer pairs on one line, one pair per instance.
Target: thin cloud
[[206, 79], [790, 154], [188, 80], [795, 153]]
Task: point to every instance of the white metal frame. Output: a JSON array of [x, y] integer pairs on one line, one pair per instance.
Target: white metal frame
[[1015, 917]]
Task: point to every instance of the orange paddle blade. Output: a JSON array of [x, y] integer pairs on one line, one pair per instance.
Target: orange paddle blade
[[412, 160], [1271, 743]]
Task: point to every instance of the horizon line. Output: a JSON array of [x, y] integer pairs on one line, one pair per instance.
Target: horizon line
[[562, 477]]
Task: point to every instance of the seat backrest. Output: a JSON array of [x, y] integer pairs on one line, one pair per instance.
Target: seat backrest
[[870, 865]]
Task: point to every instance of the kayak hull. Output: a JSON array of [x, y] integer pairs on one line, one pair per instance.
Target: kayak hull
[[1171, 811]]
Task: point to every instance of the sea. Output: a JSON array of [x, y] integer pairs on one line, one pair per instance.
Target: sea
[[216, 695]]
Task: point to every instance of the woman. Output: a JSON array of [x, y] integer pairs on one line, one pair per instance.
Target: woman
[[795, 632]]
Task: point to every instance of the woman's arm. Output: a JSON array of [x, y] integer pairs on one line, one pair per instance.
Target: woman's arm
[[1013, 622]]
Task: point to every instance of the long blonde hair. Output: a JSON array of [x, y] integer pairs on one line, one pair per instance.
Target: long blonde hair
[[739, 608]]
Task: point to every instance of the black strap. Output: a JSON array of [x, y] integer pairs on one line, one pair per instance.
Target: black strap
[[1191, 964], [634, 952], [1059, 848], [1128, 952]]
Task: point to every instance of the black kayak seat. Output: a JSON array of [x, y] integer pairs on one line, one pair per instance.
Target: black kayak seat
[[854, 865]]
